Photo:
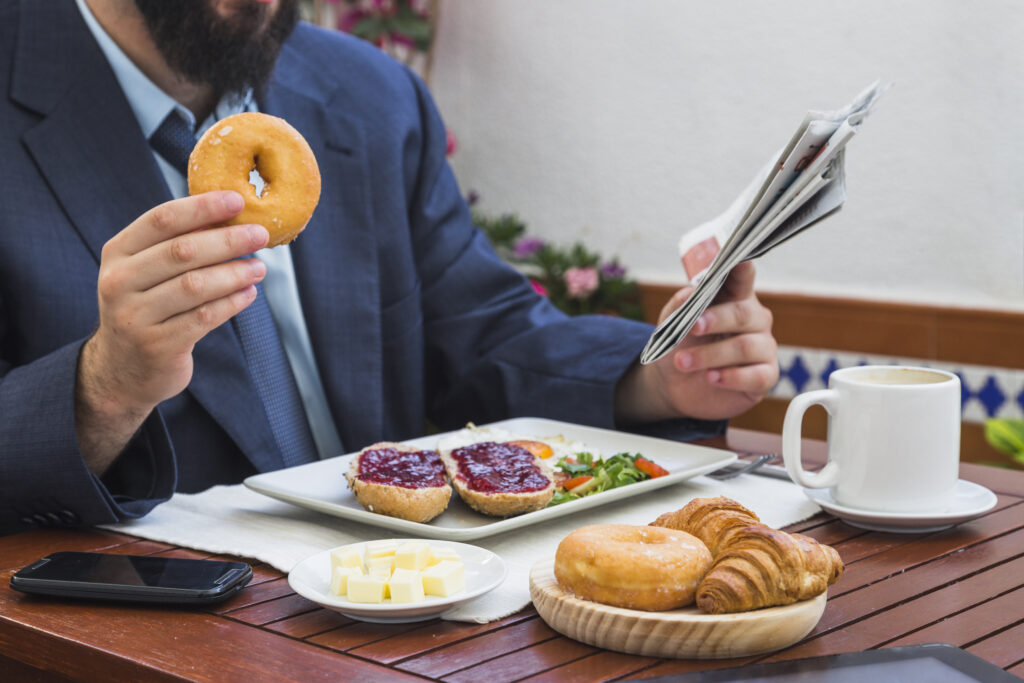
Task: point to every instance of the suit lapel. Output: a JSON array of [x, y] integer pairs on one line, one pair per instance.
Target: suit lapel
[[106, 179], [336, 256]]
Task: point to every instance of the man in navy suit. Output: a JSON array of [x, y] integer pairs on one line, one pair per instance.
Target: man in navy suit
[[125, 369]]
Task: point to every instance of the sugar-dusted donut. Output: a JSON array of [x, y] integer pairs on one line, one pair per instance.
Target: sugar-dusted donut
[[636, 567], [229, 151]]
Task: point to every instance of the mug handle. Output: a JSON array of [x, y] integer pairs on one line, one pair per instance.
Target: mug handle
[[791, 427]]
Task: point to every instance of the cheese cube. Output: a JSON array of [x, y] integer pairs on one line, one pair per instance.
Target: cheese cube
[[442, 554], [379, 569], [387, 562], [340, 577], [382, 571], [366, 589], [406, 586], [444, 579], [346, 556], [412, 555], [380, 549]]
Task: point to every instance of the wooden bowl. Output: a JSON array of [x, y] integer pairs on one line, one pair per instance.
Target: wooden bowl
[[683, 633]]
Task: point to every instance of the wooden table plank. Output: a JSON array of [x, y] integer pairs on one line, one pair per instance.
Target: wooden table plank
[[600, 666], [431, 636], [969, 564], [1004, 649], [672, 667], [971, 625], [273, 610], [833, 532], [514, 665], [923, 549], [875, 542], [23, 549], [253, 594], [357, 634], [914, 616], [468, 653], [110, 642], [309, 624], [1017, 670]]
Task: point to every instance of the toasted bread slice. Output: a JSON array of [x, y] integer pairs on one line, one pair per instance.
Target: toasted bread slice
[[499, 504], [412, 503]]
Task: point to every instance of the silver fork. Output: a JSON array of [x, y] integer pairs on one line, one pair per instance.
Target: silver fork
[[741, 467]]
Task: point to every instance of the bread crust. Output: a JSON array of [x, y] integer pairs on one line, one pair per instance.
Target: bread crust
[[415, 505], [498, 504]]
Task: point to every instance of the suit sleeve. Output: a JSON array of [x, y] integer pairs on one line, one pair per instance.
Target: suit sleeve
[[43, 478], [496, 348]]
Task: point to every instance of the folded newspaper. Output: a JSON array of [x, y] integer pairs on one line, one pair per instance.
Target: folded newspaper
[[799, 186]]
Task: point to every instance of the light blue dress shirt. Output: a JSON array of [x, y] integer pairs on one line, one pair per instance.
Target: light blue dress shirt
[[151, 106]]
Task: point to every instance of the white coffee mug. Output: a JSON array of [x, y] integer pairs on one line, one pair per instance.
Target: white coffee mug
[[893, 438]]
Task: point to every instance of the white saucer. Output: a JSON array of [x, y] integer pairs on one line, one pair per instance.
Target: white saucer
[[311, 579], [970, 500]]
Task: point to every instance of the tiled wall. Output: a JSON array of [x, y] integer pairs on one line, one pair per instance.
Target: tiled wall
[[986, 391]]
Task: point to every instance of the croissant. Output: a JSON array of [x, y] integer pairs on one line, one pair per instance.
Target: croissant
[[712, 520], [763, 567]]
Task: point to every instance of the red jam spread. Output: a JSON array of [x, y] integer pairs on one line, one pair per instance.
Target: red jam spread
[[411, 470], [491, 467]]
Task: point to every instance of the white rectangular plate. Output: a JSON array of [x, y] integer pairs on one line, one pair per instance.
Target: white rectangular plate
[[322, 486]]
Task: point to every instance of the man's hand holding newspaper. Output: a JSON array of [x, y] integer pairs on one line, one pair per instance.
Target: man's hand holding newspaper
[[801, 185]]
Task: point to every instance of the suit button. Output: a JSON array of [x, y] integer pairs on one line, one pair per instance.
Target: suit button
[[69, 516], [54, 519], [28, 521], [40, 520]]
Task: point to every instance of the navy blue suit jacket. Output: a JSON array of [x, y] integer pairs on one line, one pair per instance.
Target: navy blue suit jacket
[[410, 313]]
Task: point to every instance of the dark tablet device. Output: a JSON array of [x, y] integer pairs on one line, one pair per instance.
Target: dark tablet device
[[934, 662], [132, 578]]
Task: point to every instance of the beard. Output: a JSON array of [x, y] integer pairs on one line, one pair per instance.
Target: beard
[[230, 54]]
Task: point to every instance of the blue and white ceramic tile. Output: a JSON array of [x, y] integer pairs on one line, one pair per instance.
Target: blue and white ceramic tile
[[987, 391]]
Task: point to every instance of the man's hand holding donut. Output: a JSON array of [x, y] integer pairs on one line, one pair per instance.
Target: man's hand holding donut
[[164, 283], [725, 365]]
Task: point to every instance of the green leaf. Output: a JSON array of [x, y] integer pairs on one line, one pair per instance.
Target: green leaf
[[562, 497], [370, 27], [573, 469], [1006, 435]]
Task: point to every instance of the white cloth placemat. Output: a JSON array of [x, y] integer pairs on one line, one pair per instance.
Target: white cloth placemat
[[233, 520]]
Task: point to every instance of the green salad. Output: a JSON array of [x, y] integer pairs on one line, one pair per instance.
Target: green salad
[[581, 475]]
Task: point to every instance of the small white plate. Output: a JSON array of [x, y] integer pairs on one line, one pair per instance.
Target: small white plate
[[970, 500], [311, 579]]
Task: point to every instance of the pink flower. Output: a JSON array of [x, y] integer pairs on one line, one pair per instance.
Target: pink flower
[[539, 288], [581, 282], [453, 143], [404, 40], [527, 247], [348, 20]]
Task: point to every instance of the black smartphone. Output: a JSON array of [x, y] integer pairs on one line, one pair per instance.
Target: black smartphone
[[132, 578]]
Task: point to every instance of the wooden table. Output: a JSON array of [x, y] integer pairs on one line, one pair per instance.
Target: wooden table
[[963, 586]]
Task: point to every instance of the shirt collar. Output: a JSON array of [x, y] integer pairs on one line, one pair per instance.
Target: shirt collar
[[150, 104]]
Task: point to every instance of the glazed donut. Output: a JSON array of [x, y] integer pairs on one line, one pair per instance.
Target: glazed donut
[[636, 567], [228, 152]]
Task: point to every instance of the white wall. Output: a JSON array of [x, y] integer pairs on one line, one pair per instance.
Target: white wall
[[626, 122]]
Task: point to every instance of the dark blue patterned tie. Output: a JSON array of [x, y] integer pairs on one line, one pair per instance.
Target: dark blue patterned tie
[[264, 352]]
